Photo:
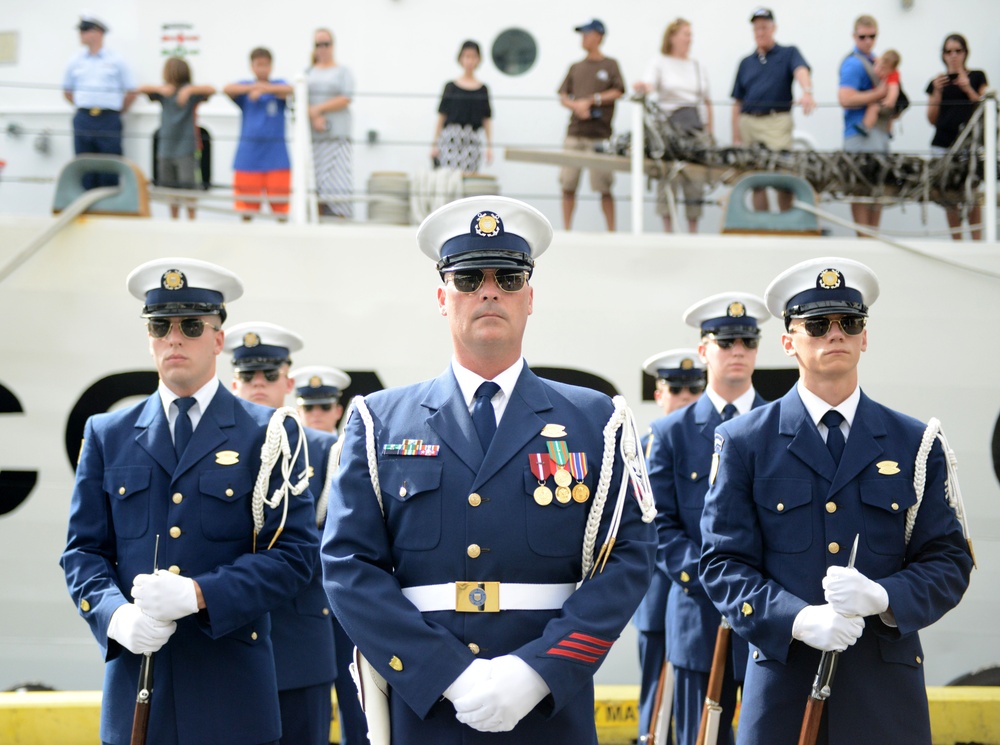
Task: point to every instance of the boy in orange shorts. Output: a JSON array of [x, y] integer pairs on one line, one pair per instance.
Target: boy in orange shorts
[[261, 166]]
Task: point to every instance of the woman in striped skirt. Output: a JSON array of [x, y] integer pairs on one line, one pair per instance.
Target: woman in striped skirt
[[463, 117], [331, 87]]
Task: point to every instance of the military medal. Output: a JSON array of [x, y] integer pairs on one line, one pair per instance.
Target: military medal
[[578, 465], [560, 455], [540, 467]]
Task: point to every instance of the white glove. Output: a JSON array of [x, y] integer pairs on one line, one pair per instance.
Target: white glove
[[820, 626], [476, 673], [137, 632], [165, 595], [852, 594], [498, 704]]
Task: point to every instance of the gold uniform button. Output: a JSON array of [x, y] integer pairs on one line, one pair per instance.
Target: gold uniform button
[[685, 577], [756, 654], [121, 490], [475, 500], [177, 497], [831, 507], [747, 609], [402, 491], [175, 532], [253, 635], [396, 664], [686, 591], [84, 606], [895, 506], [229, 492], [780, 507], [694, 475], [326, 611], [474, 648], [174, 569], [918, 659], [473, 551], [834, 547]]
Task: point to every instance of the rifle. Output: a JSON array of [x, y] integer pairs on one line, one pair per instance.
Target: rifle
[[821, 683], [663, 704], [144, 696], [711, 713]]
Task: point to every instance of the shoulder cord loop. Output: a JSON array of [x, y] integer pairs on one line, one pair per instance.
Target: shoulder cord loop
[[276, 446]]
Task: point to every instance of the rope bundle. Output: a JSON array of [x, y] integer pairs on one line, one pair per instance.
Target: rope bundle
[[276, 445]]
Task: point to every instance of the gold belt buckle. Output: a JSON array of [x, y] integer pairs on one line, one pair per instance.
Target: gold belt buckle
[[95, 111], [477, 597]]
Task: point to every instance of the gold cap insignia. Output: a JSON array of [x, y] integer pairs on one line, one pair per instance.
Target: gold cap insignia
[[315, 381], [250, 339], [173, 279], [553, 430], [747, 609], [687, 364], [887, 467], [830, 279], [227, 457], [487, 224], [736, 310], [396, 664]]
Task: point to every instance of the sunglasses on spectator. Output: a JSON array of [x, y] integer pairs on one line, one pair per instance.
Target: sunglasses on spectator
[[247, 376], [954, 51], [750, 342], [863, 37], [323, 44], [309, 407], [470, 280], [695, 389], [192, 328], [820, 326]]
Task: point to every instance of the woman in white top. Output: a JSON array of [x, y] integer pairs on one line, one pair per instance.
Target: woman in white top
[[331, 87], [679, 82]]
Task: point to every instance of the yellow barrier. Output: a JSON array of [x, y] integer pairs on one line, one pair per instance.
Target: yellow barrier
[[958, 715]]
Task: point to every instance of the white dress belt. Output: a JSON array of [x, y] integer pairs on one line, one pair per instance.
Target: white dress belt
[[488, 597]]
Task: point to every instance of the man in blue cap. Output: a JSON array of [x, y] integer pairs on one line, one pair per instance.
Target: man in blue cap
[[101, 87], [318, 389], [471, 550], [589, 91], [680, 380], [304, 656], [165, 511], [794, 486], [680, 457]]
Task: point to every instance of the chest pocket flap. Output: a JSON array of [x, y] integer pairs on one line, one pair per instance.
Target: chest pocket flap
[[892, 495], [781, 495], [404, 478], [227, 484], [124, 481]]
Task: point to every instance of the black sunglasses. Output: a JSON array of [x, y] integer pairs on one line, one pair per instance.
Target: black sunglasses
[[820, 325], [863, 37], [192, 328], [470, 280], [695, 389], [309, 407], [247, 376], [320, 44], [750, 342]]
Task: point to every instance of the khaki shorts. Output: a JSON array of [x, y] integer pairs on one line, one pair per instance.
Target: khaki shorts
[[774, 131], [569, 178], [694, 195]]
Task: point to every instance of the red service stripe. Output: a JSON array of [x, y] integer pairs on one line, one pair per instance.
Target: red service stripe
[[584, 647], [591, 640], [574, 655]]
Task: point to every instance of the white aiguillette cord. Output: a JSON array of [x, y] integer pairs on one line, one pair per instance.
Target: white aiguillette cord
[[276, 445]]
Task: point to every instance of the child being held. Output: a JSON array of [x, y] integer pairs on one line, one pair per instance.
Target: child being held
[[887, 68], [175, 153]]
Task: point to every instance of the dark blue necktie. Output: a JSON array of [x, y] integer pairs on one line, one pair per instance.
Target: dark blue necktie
[[835, 435], [483, 416], [182, 426], [728, 412]]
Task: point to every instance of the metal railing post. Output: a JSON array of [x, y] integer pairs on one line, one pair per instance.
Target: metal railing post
[[638, 161], [990, 166], [301, 153]]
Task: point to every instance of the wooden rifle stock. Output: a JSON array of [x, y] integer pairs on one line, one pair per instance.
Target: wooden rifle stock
[[810, 722], [140, 722], [659, 720], [712, 710], [817, 698]]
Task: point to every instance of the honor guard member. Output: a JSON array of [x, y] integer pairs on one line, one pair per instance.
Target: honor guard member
[[317, 394], [165, 511], [788, 499], [318, 390], [304, 656], [469, 548], [101, 87], [680, 459], [680, 379]]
